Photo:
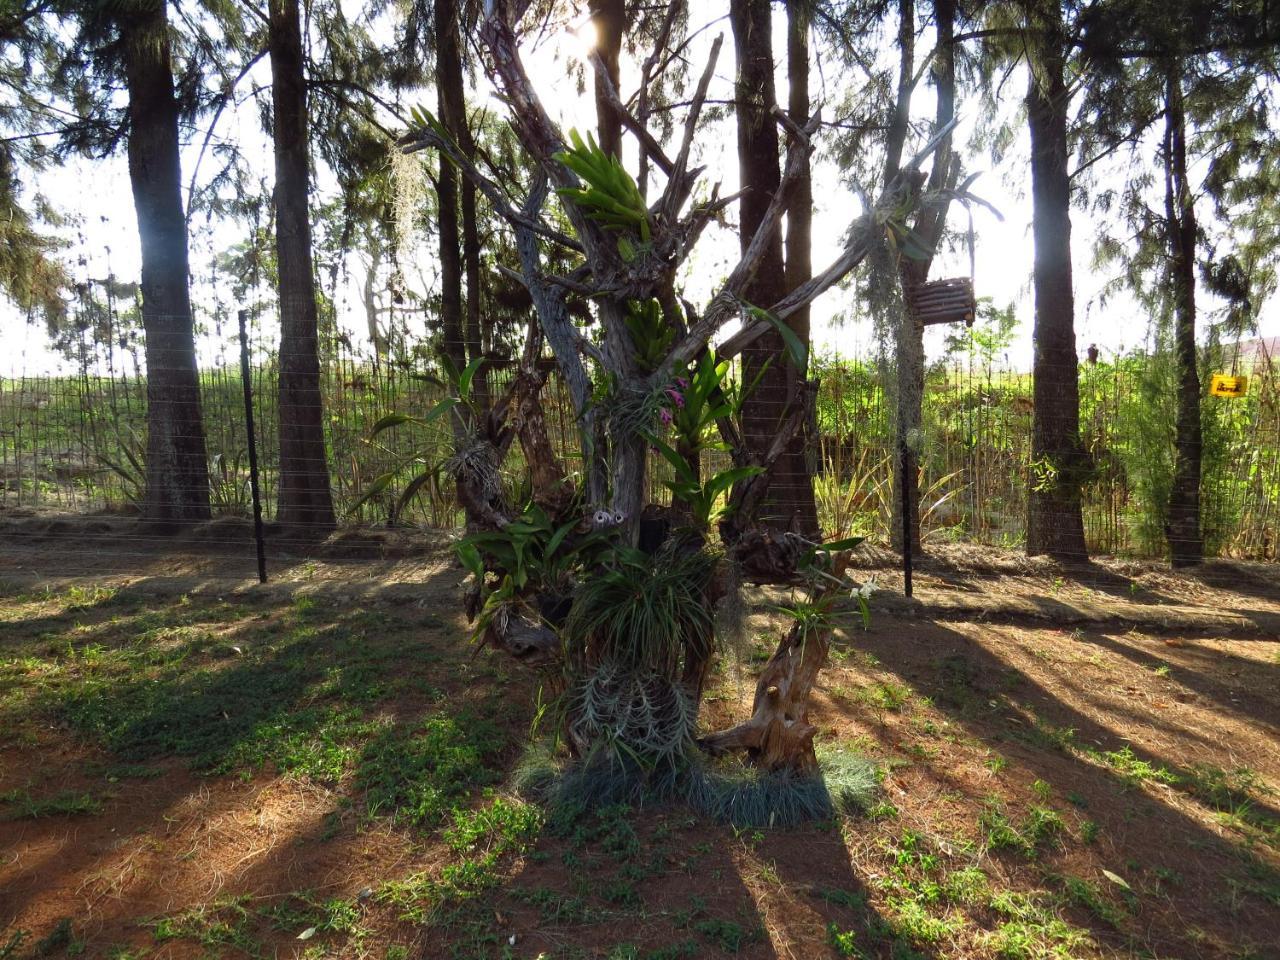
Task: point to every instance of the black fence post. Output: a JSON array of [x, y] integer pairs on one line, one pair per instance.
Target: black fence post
[[253, 447], [905, 452]]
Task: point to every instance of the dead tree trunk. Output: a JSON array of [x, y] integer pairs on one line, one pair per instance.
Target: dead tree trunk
[[778, 736], [612, 276]]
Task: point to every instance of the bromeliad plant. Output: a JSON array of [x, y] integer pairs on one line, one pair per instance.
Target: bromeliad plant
[[610, 197]]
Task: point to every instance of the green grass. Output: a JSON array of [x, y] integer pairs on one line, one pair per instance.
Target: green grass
[[1090, 896], [728, 935], [1031, 929], [887, 696], [1133, 769], [418, 775], [235, 688], [60, 941], [227, 922], [12, 942], [20, 805]]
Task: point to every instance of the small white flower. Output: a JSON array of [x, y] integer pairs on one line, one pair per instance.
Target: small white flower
[[865, 591]]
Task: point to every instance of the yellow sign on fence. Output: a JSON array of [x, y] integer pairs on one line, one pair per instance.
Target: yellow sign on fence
[[1222, 385]]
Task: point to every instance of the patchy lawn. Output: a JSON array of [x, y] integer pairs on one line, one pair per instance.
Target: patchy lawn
[[326, 770]]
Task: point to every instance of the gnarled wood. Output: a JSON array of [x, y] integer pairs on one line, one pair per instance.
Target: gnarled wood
[[522, 636], [778, 736]]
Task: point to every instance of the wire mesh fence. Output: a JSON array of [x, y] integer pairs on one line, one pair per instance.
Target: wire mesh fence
[[77, 443]]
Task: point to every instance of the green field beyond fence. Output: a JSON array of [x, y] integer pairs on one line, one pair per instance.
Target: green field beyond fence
[[76, 444]]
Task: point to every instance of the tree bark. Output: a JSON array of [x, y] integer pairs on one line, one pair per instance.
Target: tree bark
[[377, 339], [453, 114], [799, 252], [610, 20], [789, 501], [909, 341], [1055, 525], [453, 342], [304, 499], [929, 224], [177, 479], [1182, 528]]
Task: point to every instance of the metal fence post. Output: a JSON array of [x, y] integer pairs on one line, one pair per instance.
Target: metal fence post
[[905, 451], [253, 447]]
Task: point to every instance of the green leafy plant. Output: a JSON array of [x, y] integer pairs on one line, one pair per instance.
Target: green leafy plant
[[130, 466], [229, 492], [610, 197], [702, 498], [697, 401], [534, 551], [642, 611], [650, 333], [422, 466]]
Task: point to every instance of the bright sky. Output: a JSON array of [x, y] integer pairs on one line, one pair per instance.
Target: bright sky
[[99, 194]]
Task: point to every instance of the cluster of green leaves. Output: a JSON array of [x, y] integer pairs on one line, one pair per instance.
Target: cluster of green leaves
[[706, 398], [640, 611], [702, 498], [650, 333], [533, 551], [420, 467], [533, 555], [610, 197]]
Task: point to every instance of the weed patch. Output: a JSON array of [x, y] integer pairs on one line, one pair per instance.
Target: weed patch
[[416, 776], [20, 805]]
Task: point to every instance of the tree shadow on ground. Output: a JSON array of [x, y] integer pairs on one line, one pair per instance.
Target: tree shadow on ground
[[256, 756], [1258, 580], [1038, 730]]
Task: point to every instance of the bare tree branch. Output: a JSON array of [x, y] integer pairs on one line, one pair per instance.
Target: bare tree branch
[[651, 146], [429, 139], [679, 183]]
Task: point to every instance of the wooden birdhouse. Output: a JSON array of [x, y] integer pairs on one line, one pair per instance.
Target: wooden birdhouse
[[944, 301]]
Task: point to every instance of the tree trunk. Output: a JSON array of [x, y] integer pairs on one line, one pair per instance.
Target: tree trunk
[[177, 479], [1182, 528], [610, 20], [778, 735], [1055, 525], [452, 333], [789, 501], [304, 498], [453, 114], [909, 340], [377, 339], [799, 251], [929, 225]]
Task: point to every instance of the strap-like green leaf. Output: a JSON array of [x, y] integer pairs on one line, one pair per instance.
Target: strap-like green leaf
[[848, 543], [378, 485]]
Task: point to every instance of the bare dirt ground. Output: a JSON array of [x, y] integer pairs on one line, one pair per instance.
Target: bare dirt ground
[[1075, 763]]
